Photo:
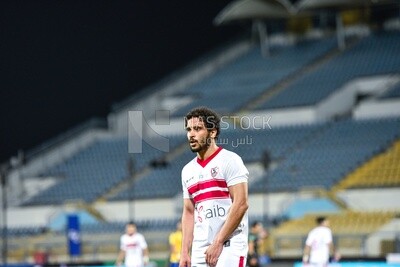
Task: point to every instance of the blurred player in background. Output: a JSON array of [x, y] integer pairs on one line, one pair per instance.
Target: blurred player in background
[[256, 238], [175, 244], [215, 192], [133, 252], [319, 244]]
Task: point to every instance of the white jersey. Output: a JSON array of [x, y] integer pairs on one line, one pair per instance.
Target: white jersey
[[133, 246], [206, 182], [319, 240]]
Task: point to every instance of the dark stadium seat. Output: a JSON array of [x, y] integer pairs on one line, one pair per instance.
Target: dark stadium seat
[[94, 170], [376, 54], [251, 75], [328, 157], [277, 142]]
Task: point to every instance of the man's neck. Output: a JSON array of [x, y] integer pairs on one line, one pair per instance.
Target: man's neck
[[203, 155]]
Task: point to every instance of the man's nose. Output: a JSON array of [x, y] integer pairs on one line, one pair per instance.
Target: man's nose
[[191, 133]]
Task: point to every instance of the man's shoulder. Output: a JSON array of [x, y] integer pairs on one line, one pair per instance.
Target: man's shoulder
[[320, 229], [139, 234], [188, 164], [228, 154]]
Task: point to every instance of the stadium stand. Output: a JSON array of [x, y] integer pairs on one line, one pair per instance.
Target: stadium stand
[[362, 222], [277, 141], [349, 229], [332, 153], [303, 154], [164, 180], [255, 73], [376, 54], [383, 170], [336, 155], [93, 171]]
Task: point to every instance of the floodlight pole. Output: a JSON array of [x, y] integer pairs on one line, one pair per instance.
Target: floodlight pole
[[263, 37], [3, 178], [265, 202], [131, 173], [340, 31]]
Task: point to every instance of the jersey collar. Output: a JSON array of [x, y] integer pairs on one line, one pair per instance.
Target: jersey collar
[[204, 162]]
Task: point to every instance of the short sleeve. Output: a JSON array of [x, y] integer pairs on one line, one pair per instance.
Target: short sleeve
[[184, 187], [235, 171], [309, 240], [121, 243], [328, 236], [143, 243]]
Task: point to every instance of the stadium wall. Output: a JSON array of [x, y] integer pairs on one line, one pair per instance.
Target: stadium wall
[[375, 199], [377, 109], [30, 216], [143, 209], [155, 209], [374, 241]]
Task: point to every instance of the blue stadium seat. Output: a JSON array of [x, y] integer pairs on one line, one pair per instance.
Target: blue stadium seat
[[94, 170], [376, 54], [335, 151], [251, 75]]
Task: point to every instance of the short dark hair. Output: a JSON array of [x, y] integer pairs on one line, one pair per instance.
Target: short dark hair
[[209, 117], [255, 223], [320, 219], [131, 223]]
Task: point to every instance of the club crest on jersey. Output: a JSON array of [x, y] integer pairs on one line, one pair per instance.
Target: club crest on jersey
[[214, 172]]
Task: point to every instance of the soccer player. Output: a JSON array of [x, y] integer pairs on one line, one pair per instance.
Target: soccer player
[[256, 237], [134, 249], [319, 244], [215, 204], [175, 244]]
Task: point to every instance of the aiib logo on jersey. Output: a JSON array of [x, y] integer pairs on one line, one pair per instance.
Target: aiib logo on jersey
[[215, 211]]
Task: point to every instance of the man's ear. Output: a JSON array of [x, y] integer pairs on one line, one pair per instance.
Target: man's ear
[[213, 133]]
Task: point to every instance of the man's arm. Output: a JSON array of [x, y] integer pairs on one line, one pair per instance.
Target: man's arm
[[146, 256], [239, 195], [335, 254], [239, 207], [187, 232], [120, 257], [252, 258], [306, 253], [251, 250]]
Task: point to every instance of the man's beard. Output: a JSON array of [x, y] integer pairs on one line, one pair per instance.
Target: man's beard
[[202, 146]]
